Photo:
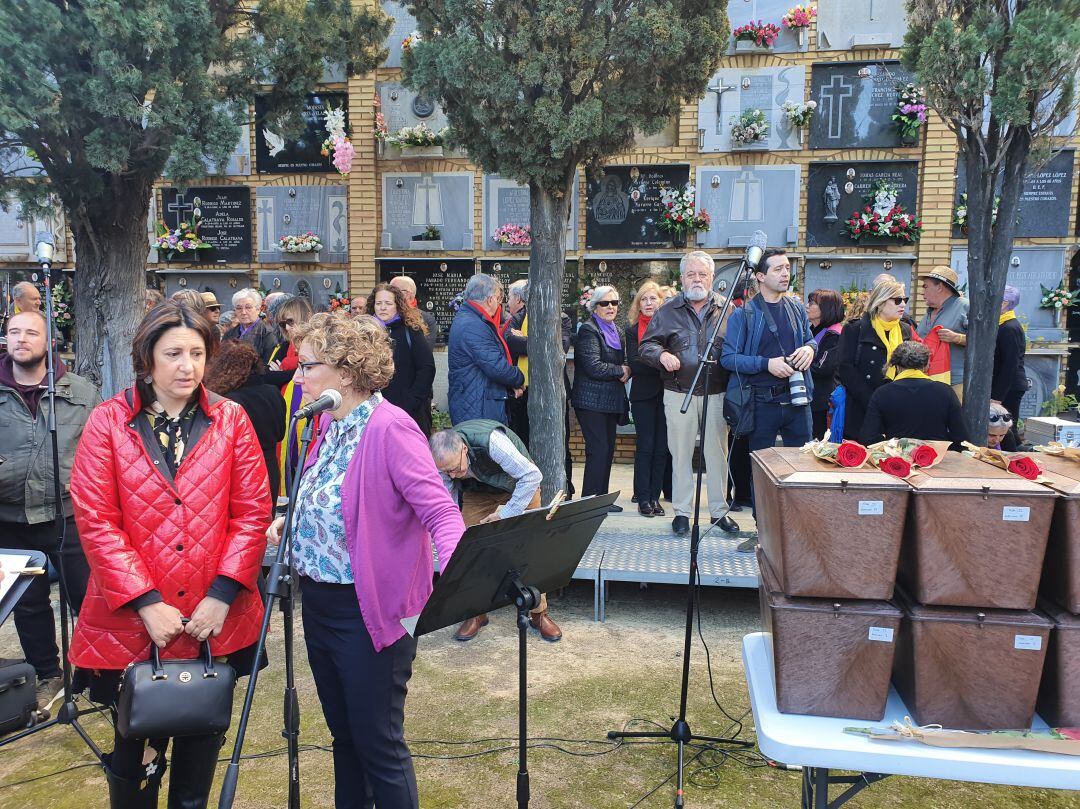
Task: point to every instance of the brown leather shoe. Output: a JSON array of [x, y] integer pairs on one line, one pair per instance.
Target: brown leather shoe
[[469, 628], [548, 629]]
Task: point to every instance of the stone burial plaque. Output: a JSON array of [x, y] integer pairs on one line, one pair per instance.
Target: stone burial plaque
[[668, 136], [510, 270], [624, 206], [626, 275], [741, 12], [239, 163], [1044, 198], [274, 154], [317, 286], [506, 202], [403, 24], [226, 219], [288, 211], [836, 190], [855, 101], [18, 234], [742, 199], [733, 91], [839, 273], [844, 24], [403, 107], [1043, 372], [219, 280], [412, 201], [437, 283], [1030, 267]]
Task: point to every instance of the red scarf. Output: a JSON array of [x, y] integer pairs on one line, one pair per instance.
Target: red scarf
[[642, 325], [494, 320]]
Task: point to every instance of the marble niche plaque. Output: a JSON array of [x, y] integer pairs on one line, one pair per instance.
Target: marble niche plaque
[[668, 136], [317, 286], [437, 283], [225, 213], [741, 12], [836, 190], [1043, 372], [855, 101], [275, 155], [510, 270], [506, 202], [853, 24], [1031, 269], [403, 24], [1044, 198], [624, 206], [411, 201], [403, 107], [18, 235], [742, 199], [838, 273], [222, 282], [239, 163], [285, 211], [733, 91]]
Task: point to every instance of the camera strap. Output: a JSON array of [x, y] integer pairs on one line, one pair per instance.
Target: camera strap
[[771, 323]]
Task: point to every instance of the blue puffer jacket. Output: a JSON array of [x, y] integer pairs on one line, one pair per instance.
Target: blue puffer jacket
[[481, 379]]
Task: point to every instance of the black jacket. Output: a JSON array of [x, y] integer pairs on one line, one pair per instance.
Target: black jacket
[[675, 328], [646, 382], [1009, 373], [913, 408], [266, 408], [263, 338], [597, 370], [414, 373], [823, 370], [861, 369]]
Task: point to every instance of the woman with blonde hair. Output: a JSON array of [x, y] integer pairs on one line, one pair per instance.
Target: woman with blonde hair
[[865, 347], [369, 506], [647, 405]]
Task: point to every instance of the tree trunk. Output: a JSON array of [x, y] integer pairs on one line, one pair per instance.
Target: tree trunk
[[110, 278], [547, 360]]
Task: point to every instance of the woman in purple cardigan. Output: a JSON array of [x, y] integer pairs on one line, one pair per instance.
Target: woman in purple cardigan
[[369, 504]]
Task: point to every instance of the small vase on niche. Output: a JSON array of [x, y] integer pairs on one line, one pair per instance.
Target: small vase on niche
[[678, 239]]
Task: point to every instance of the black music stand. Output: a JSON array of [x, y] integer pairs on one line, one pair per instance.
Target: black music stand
[[12, 596], [507, 562]]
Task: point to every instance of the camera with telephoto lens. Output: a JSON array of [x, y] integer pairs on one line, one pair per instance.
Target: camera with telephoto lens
[[797, 386]]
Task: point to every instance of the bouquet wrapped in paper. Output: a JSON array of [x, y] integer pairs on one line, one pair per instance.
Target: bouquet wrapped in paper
[[900, 457], [1060, 451], [849, 454], [1023, 465], [1053, 740]]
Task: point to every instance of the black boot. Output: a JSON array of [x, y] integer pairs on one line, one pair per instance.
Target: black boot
[[194, 759], [134, 793]]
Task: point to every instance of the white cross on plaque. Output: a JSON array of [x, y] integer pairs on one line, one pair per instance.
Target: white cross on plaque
[[427, 202], [747, 199]]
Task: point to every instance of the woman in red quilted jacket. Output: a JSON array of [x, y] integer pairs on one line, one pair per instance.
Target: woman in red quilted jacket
[[172, 502]]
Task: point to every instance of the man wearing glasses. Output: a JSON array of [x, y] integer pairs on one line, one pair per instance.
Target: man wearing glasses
[[676, 334]]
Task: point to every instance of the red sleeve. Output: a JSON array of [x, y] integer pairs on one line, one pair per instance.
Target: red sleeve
[[249, 507]]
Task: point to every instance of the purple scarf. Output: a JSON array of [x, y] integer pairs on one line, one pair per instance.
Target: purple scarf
[[610, 333], [835, 328], [391, 321]]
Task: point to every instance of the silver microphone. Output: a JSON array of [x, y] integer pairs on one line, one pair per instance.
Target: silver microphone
[[758, 242], [330, 400], [44, 247]]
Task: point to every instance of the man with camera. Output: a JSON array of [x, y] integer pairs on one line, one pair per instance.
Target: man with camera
[[768, 348]]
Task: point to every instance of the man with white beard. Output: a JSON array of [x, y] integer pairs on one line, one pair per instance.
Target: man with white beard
[[672, 344]]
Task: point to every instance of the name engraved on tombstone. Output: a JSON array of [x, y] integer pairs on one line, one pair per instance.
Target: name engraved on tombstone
[[413, 201], [225, 213], [283, 211], [276, 154], [624, 206], [437, 283], [835, 190], [856, 101], [1044, 197]]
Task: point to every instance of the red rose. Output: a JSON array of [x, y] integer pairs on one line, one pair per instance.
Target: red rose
[[851, 454], [868, 209], [895, 466], [1025, 467], [924, 455]]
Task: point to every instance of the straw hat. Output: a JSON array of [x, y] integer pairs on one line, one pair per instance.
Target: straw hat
[[210, 300], [947, 276]]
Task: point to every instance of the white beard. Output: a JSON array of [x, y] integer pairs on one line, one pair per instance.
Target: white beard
[[695, 295]]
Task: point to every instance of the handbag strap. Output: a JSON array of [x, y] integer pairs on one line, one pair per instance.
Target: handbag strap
[[158, 670]]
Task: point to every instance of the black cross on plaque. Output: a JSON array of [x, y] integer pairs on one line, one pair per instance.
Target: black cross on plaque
[[720, 88]]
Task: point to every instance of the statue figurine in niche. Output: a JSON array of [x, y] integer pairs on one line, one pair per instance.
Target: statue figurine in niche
[[611, 205], [832, 200]]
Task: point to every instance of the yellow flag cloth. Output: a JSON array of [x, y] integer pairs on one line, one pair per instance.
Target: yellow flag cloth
[[1006, 317], [523, 360], [890, 335]]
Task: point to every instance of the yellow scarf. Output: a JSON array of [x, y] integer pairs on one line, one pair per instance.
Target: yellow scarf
[[523, 360], [1007, 316], [910, 373], [890, 336]]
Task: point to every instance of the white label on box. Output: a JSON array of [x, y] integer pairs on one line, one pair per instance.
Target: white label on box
[[871, 507], [1016, 514], [1033, 642], [881, 633]]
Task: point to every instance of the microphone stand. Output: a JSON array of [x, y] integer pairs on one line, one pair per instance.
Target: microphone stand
[[680, 732], [279, 586]]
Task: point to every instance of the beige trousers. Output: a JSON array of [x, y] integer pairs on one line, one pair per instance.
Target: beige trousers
[[682, 429], [477, 505]]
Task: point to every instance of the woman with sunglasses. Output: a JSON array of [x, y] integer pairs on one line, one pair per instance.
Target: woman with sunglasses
[[913, 405], [599, 390], [865, 348], [291, 314], [1000, 434]]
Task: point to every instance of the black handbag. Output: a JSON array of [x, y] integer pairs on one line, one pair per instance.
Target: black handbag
[[166, 698]]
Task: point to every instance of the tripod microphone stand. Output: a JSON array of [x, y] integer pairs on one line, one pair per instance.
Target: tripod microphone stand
[[69, 713], [680, 732]]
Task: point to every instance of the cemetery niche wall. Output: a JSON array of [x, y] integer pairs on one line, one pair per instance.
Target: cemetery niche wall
[[219, 280], [506, 202], [852, 273], [224, 214], [855, 103], [733, 91], [517, 269], [626, 275], [742, 199], [438, 284], [275, 154], [836, 190], [290, 211], [1044, 198], [403, 25], [854, 24], [1043, 370], [414, 201], [623, 208], [742, 12], [402, 107], [317, 286], [18, 233]]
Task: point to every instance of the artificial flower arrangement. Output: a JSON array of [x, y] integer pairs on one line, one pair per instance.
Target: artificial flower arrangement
[[430, 234], [799, 16], [1059, 402], [307, 242], [340, 300], [412, 39], [1023, 465], [883, 216], [1059, 297], [513, 235], [799, 113], [762, 34], [749, 127], [680, 214], [419, 135], [182, 239], [961, 212], [337, 143], [900, 457], [381, 130], [61, 301], [910, 112], [456, 302], [585, 295], [851, 296]]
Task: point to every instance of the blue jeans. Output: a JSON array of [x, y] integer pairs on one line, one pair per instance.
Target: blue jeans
[[792, 424]]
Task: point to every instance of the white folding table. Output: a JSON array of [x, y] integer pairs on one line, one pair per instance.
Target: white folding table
[[819, 744]]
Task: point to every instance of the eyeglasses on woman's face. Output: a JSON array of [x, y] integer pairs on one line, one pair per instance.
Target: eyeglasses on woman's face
[[303, 367], [608, 303]]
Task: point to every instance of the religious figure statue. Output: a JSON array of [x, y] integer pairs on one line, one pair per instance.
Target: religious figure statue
[[832, 200], [611, 205]]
